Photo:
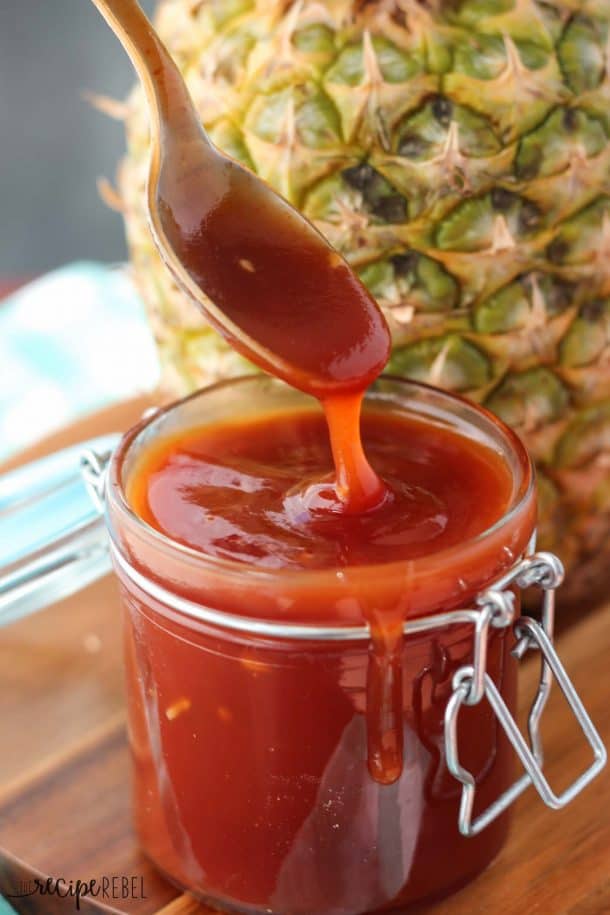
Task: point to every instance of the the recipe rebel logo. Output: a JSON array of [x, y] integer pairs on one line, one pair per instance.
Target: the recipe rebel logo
[[124, 886]]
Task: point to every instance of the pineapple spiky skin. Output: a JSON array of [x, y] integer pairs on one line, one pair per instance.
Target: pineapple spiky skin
[[457, 153]]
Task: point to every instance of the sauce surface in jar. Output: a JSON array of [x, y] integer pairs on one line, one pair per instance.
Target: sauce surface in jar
[[261, 492]]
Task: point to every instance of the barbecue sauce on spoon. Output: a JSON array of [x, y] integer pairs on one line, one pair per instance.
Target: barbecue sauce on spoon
[[283, 297], [263, 275]]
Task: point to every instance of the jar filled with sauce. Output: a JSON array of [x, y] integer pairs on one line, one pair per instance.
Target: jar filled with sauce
[[287, 728]]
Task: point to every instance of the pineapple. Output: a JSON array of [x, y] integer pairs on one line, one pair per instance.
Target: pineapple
[[456, 152]]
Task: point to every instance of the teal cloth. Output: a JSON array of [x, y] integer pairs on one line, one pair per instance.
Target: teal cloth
[[71, 342], [5, 908]]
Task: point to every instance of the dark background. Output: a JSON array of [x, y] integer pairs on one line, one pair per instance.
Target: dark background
[[53, 145]]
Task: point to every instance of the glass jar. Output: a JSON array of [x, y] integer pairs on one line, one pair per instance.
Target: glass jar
[[253, 694], [248, 688]]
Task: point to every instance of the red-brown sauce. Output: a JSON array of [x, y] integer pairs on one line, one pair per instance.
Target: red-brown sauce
[[262, 493], [250, 754]]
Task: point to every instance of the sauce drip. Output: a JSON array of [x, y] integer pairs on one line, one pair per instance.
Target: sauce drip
[[385, 695]]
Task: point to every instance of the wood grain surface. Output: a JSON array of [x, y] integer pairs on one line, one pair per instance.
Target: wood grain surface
[[64, 768]]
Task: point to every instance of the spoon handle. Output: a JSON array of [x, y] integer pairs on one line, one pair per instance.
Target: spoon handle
[[166, 92]]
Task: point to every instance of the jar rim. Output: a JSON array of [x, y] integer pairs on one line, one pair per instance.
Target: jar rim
[[116, 499], [314, 632]]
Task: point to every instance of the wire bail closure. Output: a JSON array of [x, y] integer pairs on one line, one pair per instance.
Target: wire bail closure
[[472, 683]]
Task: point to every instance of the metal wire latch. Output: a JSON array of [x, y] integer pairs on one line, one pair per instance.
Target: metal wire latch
[[471, 684]]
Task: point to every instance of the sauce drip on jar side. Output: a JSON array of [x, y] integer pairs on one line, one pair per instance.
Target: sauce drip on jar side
[[260, 492]]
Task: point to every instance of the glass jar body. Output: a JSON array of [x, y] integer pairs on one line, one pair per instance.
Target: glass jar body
[[250, 748], [251, 780]]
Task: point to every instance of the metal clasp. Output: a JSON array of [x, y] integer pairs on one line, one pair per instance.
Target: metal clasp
[[472, 683]]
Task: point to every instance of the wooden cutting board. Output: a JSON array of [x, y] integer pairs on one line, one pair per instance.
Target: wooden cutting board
[[65, 782]]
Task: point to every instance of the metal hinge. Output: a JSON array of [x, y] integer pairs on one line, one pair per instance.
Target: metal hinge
[[471, 684]]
